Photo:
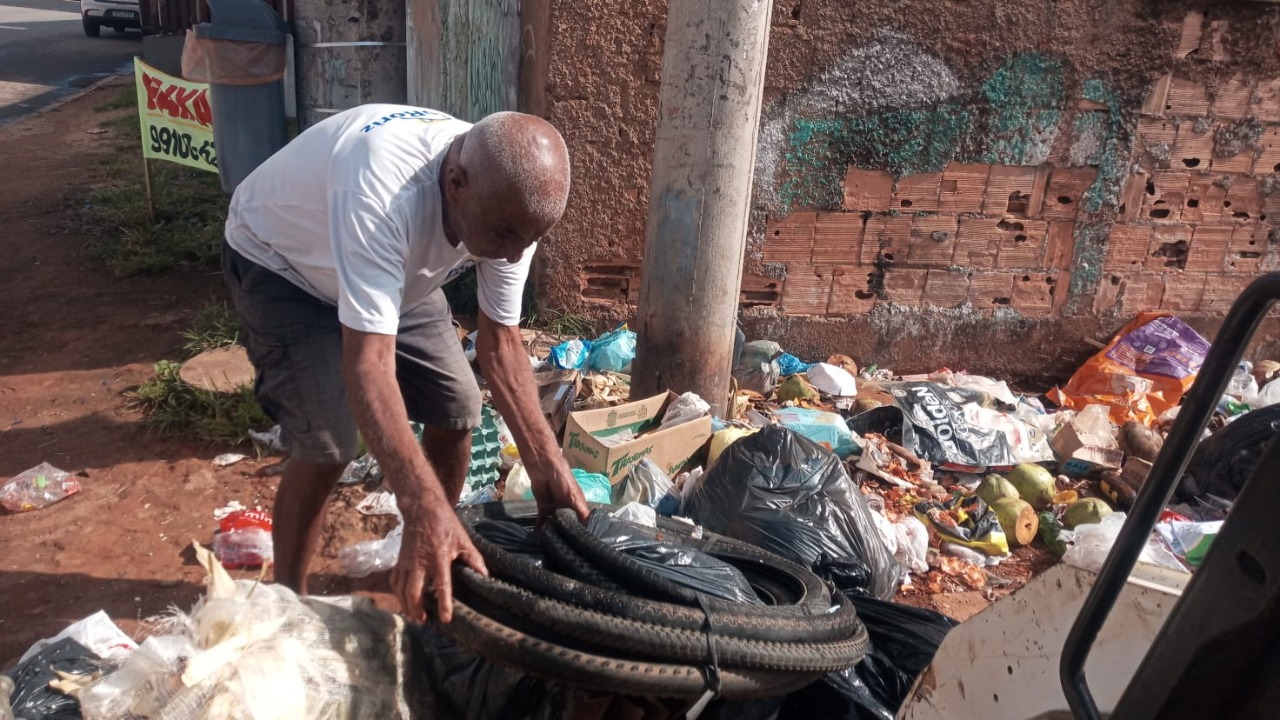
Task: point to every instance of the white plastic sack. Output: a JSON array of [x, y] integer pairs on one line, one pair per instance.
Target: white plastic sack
[[371, 556], [685, 408], [638, 513], [1093, 543], [382, 502], [95, 632], [913, 544], [832, 380]]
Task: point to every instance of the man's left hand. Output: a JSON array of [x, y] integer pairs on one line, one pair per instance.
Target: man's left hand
[[557, 489]]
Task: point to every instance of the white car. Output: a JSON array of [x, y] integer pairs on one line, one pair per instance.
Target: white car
[[118, 15]]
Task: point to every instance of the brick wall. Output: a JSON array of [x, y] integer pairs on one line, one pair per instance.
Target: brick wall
[[977, 184]]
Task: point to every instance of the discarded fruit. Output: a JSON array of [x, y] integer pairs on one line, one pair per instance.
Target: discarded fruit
[[1085, 512], [1018, 520], [1034, 484], [994, 487], [1140, 441]]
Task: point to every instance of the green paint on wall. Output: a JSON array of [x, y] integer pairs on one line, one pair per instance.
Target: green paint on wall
[[1024, 96]]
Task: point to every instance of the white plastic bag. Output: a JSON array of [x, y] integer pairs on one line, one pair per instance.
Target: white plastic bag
[[1093, 543], [519, 486], [685, 408], [638, 513], [913, 544], [382, 502], [95, 632], [832, 380], [1243, 386]]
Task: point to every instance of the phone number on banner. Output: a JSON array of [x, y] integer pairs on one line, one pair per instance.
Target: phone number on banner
[[180, 145]]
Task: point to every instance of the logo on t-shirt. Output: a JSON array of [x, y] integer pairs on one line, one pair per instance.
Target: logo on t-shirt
[[458, 269], [420, 114]]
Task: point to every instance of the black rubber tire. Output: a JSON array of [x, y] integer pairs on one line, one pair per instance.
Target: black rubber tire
[[542, 659], [836, 620], [559, 622], [562, 559], [118, 29], [91, 27]]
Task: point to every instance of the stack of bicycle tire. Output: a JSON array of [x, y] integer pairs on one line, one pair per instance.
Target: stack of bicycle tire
[[578, 611]]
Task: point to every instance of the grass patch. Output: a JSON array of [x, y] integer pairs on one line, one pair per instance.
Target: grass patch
[[559, 322], [125, 97], [176, 409], [216, 326], [191, 208]]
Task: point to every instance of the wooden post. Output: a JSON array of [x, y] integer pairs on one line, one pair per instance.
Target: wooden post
[[146, 178], [700, 196]]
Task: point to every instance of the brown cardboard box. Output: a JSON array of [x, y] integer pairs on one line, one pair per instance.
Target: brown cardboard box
[[1076, 456], [670, 449]]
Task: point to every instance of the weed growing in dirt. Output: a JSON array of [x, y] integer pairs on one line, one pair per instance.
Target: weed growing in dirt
[[177, 409], [216, 326], [125, 97], [559, 322], [191, 208]]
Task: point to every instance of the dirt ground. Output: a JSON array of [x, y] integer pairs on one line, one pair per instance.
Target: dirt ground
[[75, 339]]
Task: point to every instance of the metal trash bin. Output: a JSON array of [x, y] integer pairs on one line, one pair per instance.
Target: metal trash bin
[[241, 54]]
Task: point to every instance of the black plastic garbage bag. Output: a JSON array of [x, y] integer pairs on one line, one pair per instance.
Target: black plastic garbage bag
[[904, 640], [1225, 461], [511, 537], [929, 420], [787, 494], [33, 699], [692, 568]]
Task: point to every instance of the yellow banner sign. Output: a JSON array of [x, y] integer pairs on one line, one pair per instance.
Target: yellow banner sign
[[177, 122]]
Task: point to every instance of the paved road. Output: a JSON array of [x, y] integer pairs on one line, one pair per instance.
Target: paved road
[[44, 54]]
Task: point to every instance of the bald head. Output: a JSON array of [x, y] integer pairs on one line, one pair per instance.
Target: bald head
[[519, 160]]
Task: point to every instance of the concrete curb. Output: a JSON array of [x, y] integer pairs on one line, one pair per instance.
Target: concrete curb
[[69, 98]]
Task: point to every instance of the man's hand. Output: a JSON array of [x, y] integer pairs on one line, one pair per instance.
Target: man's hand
[[433, 539], [555, 490]]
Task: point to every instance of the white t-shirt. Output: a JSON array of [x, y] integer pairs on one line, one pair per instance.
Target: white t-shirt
[[350, 211]]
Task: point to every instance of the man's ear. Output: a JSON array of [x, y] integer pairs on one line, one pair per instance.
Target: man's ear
[[455, 179]]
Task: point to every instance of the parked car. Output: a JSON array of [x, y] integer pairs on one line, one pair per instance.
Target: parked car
[[118, 15]]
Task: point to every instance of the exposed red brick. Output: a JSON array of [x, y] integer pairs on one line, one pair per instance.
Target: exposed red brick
[[945, 288], [1214, 41], [1269, 160], [887, 235], [1135, 189], [1192, 150], [1246, 250], [918, 193], [1153, 133], [1155, 102], [1022, 243], [1192, 32], [1059, 290], [790, 240], [933, 240], [1060, 245], [1186, 98], [977, 242], [1243, 203], [1182, 292], [1170, 246], [1240, 163], [1209, 245], [1267, 109], [1221, 291], [1170, 193], [1233, 97], [807, 290], [1015, 191], [1203, 200], [1107, 295], [837, 238], [1127, 247], [1066, 185], [991, 290], [1140, 292], [1033, 293], [849, 293], [962, 188], [868, 190], [904, 286], [759, 290]]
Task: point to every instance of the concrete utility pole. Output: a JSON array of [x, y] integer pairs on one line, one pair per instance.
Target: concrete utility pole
[[700, 196]]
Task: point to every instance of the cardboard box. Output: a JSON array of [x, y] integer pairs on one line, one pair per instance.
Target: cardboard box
[[1077, 457], [671, 449]]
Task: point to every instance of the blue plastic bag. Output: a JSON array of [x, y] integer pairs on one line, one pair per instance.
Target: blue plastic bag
[[613, 352], [570, 354], [825, 428], [595, 487], [791, 365]]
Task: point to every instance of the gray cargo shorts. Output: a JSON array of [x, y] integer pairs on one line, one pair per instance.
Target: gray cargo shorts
[[294, 341]]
